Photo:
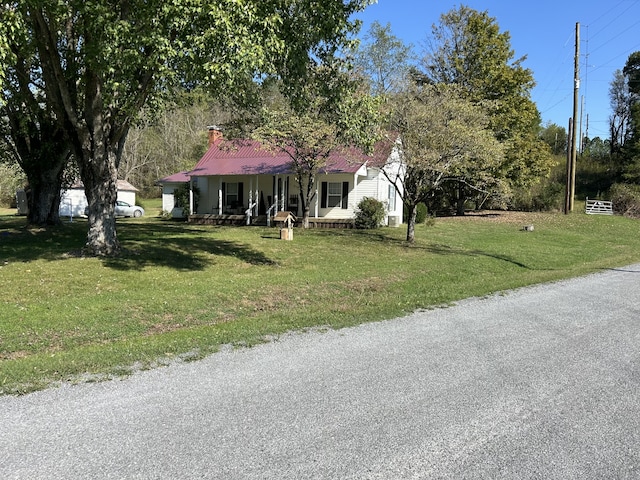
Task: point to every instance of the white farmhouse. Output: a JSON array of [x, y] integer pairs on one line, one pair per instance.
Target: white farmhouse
[[234, 178]]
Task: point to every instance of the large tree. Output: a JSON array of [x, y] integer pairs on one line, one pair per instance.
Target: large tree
[[619, 120], [101, 62], [40, 148], [468, 49], [624, 122], [556, 137], [311, 131], [383, 59], [442, 134], [631, 149], [29, 132]]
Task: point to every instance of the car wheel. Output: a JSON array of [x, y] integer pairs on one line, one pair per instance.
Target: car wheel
[[137, 213]]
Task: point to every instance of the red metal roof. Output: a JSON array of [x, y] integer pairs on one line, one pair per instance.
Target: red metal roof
[[180, 177], [249, 157]]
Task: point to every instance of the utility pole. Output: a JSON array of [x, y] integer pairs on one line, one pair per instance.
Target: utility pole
[[567, 192], [576, 88]]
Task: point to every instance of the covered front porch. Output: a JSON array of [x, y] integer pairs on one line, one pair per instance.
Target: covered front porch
[[239, 196], [255, 199]]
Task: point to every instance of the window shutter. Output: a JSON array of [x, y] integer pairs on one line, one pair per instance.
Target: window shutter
[[345, 194], [324, 192], [240, 194], [224, 194]]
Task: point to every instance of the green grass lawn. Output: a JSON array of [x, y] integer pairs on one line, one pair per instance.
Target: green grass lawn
[[182, 290]]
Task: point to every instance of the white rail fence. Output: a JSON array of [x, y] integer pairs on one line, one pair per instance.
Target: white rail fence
[[598, 207]]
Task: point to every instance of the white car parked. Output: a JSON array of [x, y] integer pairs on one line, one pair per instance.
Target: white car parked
[[124, 209]]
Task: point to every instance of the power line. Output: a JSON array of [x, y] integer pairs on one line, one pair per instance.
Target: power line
[[607, 41], [617, 36], [614, 19]]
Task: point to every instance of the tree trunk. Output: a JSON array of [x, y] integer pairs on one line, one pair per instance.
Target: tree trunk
[[305, 217], [99, 175], [461, 200], [411, 223], [43, 198], [43, 155], [306, 196]]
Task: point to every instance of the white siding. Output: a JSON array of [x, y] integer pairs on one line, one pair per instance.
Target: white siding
[[376, 185], [169, 201], [395, 169], [337, 212], [72, 203], [127, 196], [369, 186]]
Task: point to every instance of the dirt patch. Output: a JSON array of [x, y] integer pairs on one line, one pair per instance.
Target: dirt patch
[[14, 355]]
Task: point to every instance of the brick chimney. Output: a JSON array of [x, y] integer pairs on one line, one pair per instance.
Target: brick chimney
[[215, 134]]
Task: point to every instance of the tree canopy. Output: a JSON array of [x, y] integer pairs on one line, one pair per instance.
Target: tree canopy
[[383, 59], [468, 49], [630, 151], [99, 63], [442, 134], [310, 133]]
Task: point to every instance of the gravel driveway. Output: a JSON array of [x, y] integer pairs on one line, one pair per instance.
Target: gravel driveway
[[542, 382]]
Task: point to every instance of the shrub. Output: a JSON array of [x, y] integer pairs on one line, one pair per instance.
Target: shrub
[[181, 198], [421, 213], [370, 213], [545, 196], [625, 199], [11, 178]]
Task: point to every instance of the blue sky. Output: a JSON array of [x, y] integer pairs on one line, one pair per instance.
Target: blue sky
[[544, 31]]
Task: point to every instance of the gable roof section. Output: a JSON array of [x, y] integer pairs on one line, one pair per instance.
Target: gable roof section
[[249, 157], [240, 157], [180, 177]]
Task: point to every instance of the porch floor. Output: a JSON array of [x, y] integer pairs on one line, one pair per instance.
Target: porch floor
[[261, 220]]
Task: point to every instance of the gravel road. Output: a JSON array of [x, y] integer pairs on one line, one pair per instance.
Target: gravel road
[[542, 382]]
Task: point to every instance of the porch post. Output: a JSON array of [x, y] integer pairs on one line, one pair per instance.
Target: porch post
[[191, 196], [257, 197], [276, 193], [220, 196], [356, 199], [315, 199]]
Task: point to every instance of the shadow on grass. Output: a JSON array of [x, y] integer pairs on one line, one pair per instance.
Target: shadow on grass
[[439, 249], [178, 246], [390, 238], [173, 245], [374, 235], [20, 242]]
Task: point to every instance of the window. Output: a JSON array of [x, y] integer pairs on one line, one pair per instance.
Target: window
[[334, 194], [392, 198], [232, 194]]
